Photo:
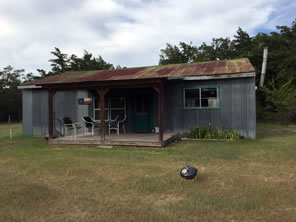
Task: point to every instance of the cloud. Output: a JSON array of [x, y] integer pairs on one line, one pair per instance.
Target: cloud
[[125, 32], [283, 13]]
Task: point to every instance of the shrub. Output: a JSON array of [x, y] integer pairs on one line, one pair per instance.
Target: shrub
[[209, 132], [281, 100]]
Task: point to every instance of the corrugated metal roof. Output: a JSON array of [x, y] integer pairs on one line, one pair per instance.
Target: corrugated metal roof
[[178, 70]]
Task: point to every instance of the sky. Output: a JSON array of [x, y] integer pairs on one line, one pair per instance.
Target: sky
[[129, 33]]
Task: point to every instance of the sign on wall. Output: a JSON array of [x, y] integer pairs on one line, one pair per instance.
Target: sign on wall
[[85, 101]]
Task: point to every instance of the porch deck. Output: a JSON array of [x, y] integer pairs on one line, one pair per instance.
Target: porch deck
[[129, 139]]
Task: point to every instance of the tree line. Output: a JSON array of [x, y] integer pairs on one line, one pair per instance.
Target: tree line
[[276, 100], [10, 78]]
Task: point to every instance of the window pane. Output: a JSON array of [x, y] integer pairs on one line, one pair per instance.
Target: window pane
[[209, 97], [142, 105], [192, 97], [97, 103]]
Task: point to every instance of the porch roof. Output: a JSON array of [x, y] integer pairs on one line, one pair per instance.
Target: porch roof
[[212, 68]]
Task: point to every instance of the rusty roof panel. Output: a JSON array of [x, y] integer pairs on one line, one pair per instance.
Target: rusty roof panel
[[165, 71], [178, 70], [111, 74]]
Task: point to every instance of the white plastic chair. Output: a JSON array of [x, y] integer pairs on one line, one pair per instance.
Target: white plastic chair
[[122, 122], [114, 125], [69, 125], [89, 122]]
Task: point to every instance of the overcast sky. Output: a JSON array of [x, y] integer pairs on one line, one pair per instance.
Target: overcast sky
[[125, 32]]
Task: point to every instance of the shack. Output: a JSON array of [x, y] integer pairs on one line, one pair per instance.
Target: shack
[[154, 104]]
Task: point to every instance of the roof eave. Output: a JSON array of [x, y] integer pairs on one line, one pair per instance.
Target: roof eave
[[208, 77], [29, 87]]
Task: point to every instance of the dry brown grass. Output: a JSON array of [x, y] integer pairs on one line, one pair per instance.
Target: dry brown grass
[[238, 181]]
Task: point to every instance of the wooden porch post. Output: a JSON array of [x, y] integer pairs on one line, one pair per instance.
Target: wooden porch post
[[102, 93], [159, 90], [51, 93]]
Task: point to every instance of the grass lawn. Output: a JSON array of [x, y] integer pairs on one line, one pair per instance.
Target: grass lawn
[[247, 180]]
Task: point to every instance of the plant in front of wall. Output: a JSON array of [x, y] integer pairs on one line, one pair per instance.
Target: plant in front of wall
[[230, 134], [209, 132]]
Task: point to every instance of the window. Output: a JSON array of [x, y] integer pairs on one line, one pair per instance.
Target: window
[[117, 107], [142, 105], [201, 97], [114, 106], [96, 105]]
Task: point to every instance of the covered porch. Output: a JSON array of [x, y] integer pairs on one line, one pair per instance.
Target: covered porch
[[128, 139], [140, 133]]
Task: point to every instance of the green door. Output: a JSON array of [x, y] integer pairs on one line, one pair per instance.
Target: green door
[[143, 114]]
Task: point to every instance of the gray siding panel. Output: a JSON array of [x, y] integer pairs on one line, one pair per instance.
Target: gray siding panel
[[65, 105], [44, 112], [40, 112], [27, 112], [82, 110], [35, 114], [236, 111], [225, 106], [237, 108], [251, 123], [37, 128]]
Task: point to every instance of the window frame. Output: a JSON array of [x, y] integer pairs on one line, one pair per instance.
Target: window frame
[[201, 87], [108, 107]]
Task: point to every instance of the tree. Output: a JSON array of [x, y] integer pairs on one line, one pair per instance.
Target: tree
[[28, 77], [10, 96], [75, 63], [63, 63], [281, 57], [172, 54], [281, 63], [242, 43], [220, 49], [281, 100], [42, 73], [60, 63], [101, 64], [86, 62]]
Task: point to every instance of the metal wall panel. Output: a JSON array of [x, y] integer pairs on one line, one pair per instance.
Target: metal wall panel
[[27, 112], [36, 108], [236, 111], [44, 113], [65, 105], [82, 110], [237, 108], [251, 99], [35, 112], [237, 96], [225, 104]]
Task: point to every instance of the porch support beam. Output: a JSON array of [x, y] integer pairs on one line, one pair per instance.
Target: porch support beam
[[51, 94], [159, 90], [147, 83], [102, 92]]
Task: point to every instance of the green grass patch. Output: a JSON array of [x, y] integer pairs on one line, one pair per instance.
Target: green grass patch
[[244, 180], [15, 127]]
